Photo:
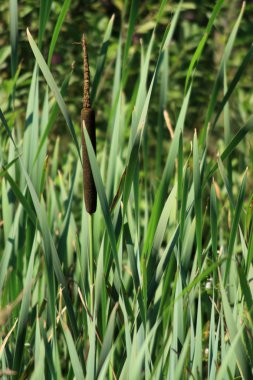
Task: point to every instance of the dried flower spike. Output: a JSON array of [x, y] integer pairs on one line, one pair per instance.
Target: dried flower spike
[[88, 122]]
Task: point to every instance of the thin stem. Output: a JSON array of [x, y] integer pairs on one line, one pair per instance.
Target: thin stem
[[91, 259]]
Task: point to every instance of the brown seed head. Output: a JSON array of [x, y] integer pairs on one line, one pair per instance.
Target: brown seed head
[[86, 76]]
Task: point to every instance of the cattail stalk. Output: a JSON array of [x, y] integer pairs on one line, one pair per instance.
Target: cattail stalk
[[88, 122], [90, 193]]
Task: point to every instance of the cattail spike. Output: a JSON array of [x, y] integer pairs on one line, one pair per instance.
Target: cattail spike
[[88, 122], [86, 76]]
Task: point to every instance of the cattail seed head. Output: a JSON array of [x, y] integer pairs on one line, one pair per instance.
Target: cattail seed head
[[90, 193], [88, 122], [86, 76]]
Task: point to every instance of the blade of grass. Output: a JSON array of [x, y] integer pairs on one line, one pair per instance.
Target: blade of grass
[[219, 78], [130, 29], [5, 258], [102, 196], [7, 128], [239, 349], [235, 224], [51, 83], [51, 256], [202, 43], [45, 6], [197, 197], [57, 29], [232, 145], [223, 369], [214, 221], [13, 4], [197, 361], [108, 339], [76, 365], [167, 173], [52, 118], [233, 84], [101, 60], [24, 312]]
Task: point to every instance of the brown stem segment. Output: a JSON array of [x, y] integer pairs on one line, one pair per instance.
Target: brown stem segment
[[90, 192], [88, 122]]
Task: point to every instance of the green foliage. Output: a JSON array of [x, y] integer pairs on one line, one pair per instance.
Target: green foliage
[[157, 283]]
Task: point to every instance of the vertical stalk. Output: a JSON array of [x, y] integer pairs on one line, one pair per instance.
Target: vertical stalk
[[88, 122], [90, 193], [91, 262]]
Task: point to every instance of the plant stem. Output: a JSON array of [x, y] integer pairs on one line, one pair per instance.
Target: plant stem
[[91, 260]]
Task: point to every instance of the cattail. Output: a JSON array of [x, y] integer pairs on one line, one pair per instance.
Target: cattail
[[88, 121]]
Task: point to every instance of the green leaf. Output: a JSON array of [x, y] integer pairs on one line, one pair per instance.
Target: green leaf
[[239, 349], [233, 84], [57, 29], [202, 43], [235, 224], [51, 83], [223, 369], [76, 365], [101, 60], [214, 221], [198, 355], [22, 199], [130, 29], [45, 6], [5, 124], [24, 312], [197, 197], [102, 196], [219, 78], [14, 35], [5, 257], [167, 173], [52, 118], [233, 144], [108, 339], [51, 256]]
